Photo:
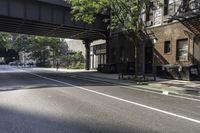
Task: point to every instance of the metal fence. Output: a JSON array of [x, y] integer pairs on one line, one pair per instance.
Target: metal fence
[[184, 6]]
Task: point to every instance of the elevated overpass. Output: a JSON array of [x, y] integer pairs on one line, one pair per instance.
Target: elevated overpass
[[48, 18]]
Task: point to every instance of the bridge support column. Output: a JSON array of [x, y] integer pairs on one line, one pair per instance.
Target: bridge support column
[[87, 54]]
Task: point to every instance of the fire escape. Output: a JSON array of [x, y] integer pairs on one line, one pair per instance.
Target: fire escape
[[188, 13]]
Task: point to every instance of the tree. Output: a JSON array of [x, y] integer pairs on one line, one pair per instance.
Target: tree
[[5, 40], [46, 49], [74, 60], [39, 48], [22, 43], [125, 15]]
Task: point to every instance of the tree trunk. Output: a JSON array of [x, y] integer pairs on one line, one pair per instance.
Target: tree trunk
[[136, 43]]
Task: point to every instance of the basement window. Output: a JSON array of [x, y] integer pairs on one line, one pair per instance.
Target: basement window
[[167, 47]]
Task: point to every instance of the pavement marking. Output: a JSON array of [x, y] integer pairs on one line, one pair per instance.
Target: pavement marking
[[165, 93], [137, 88], [169, 95], [119, 99]]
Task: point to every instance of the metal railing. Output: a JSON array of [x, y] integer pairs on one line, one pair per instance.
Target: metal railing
[[173, 7], [183, 7]]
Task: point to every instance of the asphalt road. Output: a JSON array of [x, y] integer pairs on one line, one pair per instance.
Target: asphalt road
[[50, 102]]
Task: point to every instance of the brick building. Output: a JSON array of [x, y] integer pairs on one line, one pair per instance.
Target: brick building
[[175, 28], [173, 39]]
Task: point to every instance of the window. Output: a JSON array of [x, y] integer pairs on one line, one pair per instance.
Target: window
[[167, 47], [102, 59], [182, 50], [149, 12], [99, 59], [147, 15], [166, 5]]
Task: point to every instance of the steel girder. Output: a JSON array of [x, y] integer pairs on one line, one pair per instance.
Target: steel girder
[[47, 18]]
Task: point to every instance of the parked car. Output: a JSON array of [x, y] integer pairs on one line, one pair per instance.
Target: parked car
[[14, 63], [30, 63]]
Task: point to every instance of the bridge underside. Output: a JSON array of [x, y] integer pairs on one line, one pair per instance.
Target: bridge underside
[[46, 19], [14, 25]]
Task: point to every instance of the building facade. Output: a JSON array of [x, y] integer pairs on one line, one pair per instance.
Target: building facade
[[176, 30], [97, 51], [98, 54], [173, 39]]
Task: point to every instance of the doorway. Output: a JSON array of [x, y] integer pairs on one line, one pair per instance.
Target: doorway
[[148, 60]]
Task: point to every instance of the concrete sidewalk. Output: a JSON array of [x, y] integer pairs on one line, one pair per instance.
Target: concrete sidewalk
[[161, 85]]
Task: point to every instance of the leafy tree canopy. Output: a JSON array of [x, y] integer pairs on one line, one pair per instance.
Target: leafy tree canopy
[[38, 47], [5, 40], [22, 43], [125, 13]]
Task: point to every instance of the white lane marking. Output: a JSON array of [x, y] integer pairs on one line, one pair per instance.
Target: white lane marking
[[133, 88], [120, 99], [165, 93], [142, 89]]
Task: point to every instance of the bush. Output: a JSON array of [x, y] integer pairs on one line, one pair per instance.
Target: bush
[[72, 61], [77, 65]]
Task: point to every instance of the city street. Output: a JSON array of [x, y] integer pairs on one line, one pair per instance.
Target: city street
[[57, 102]]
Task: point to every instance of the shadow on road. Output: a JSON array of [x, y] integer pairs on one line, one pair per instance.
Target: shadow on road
[[23, 81], [20, 121]]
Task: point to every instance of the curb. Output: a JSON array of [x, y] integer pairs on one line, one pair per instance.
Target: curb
[[116, 82], [163, 91]]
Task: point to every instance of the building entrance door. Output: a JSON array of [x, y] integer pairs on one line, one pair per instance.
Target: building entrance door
[[148, 60]]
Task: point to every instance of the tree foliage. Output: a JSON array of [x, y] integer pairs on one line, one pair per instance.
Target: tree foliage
[[39, 48], [74, 60], [22, 43], [5, 40], [126, 14], [46, 49]]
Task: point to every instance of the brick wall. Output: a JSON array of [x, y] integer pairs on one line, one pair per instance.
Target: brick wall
[[171, 32]]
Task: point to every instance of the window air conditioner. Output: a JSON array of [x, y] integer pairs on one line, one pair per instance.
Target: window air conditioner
[[149, 23]]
